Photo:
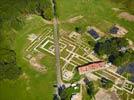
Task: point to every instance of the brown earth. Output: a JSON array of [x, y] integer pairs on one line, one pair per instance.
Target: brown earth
[[126, 16], [35, 62]]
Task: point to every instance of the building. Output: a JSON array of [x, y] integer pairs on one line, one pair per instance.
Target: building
[[118, 30], [91, 67], [93, 33]]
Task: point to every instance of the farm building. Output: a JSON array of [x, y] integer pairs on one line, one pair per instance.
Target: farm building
[[91, 67]]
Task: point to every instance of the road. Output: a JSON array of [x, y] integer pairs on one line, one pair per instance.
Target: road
[[57, 48]]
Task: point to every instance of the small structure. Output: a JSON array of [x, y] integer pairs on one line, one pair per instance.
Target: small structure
[[32, 37], [118, 30], [74, 35], [94, 34], [91, 67], [29, 56], [67, 75], [123, 49], [129, 87]]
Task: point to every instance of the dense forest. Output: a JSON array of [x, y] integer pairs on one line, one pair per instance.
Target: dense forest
[[12, 13]]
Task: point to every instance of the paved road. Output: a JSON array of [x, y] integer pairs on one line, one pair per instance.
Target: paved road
[[57, 49]]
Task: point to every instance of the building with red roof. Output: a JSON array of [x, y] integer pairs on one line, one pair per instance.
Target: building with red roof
[[91, 67]]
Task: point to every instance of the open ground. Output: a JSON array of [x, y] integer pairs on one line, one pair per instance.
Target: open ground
[[33, 85]]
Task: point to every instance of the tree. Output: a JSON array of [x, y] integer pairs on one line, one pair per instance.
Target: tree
[[8, 66], [110, 46], [105, 83], [68, 92], [44, 9], [90, 89], [78, 29], [12, 10], [120, 58]]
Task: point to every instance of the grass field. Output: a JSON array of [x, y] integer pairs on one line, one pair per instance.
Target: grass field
[[34, 85], [97, 13]]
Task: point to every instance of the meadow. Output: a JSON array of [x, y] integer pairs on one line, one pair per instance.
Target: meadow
[[98, 13], [32, 85]]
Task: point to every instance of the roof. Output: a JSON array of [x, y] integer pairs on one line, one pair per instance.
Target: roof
[[91, 67], [93, 33]]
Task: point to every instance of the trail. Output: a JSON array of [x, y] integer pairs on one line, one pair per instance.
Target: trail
[[57, 49]]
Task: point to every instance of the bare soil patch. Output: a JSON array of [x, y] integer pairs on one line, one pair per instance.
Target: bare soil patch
[[74, 19], [35, 62], [103, 94], [116, 9], [126, 16]]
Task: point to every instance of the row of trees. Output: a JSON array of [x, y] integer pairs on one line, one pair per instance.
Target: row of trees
[[116, 50], [90, 89], [8, 65]]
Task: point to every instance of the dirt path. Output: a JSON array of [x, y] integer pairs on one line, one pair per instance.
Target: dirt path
[[74, 19], [71, 20]]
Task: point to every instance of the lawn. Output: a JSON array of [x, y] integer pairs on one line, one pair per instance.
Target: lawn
[[33, 85], [98, 13]]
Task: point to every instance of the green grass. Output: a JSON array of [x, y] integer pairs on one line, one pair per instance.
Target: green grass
[[78, 60], [69, 67], [67, 93], [127, 75], [41, 85], [97, 13], [85, 96], [76, 77], [124, 95]]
